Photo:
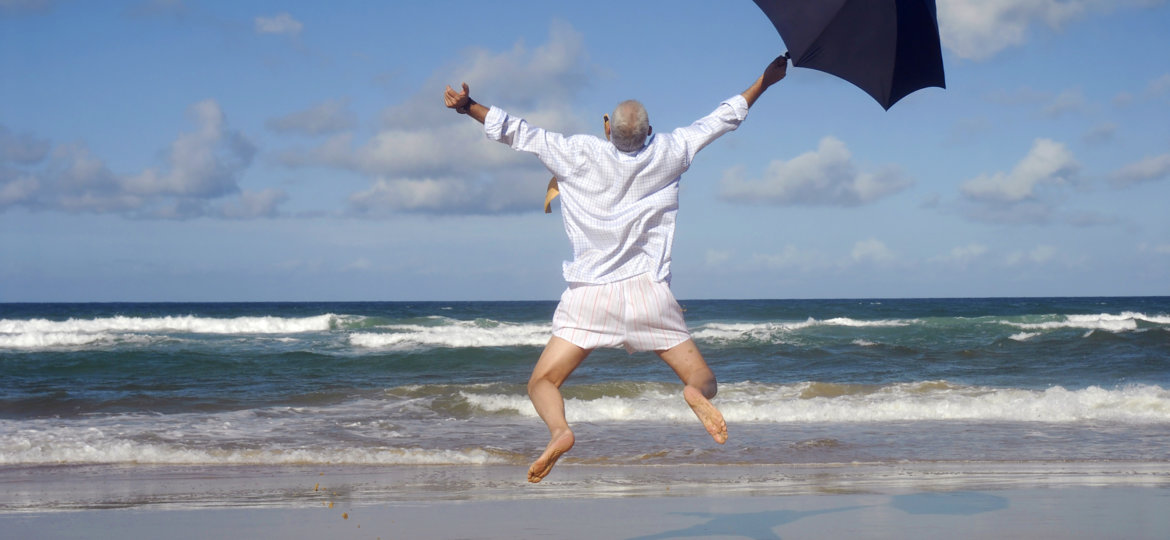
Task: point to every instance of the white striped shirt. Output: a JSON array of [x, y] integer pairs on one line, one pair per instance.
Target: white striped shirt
[[619, 207]]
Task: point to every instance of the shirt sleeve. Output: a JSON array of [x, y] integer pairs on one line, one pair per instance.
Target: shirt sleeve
[[726, 117], [553, 149]]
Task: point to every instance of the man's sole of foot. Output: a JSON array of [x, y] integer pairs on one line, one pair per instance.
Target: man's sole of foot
[[711, 418], [544, 464]]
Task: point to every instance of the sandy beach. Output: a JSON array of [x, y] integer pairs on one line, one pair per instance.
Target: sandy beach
[[854, 501]]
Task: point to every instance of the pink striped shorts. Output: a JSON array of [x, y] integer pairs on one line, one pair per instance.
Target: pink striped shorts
[[639, 314]]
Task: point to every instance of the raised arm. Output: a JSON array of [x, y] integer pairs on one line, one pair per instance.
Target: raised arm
[[772, 75], [463, 104]]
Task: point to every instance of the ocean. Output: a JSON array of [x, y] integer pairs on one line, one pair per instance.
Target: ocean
[[1013, 383]]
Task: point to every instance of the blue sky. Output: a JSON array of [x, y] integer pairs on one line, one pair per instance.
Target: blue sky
[[235, 151]]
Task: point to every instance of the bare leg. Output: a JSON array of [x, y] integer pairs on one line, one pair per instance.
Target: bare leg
[[556, 363], [688, 364]]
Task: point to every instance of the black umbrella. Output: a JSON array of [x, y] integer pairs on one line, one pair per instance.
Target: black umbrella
[[889, 48]]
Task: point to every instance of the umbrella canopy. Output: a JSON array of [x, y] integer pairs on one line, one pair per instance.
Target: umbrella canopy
[[889, 48]]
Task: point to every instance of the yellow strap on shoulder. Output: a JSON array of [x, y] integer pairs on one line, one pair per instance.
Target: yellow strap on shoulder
[[550, 194]]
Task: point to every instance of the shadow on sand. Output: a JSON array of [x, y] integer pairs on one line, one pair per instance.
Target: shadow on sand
[[756, 525], [951, 503]]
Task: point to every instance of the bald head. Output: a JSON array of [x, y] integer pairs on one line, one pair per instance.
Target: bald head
[[630, 126]]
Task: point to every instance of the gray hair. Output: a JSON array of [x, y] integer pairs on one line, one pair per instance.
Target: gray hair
[[630, 126]]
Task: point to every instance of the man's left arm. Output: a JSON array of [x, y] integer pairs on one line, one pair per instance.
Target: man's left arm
[[772, 75], [463, 104]]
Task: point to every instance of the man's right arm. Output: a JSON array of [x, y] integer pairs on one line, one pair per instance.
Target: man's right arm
[[772, 75]]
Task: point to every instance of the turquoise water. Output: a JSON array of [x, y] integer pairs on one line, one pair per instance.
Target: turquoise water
[[801, 382]]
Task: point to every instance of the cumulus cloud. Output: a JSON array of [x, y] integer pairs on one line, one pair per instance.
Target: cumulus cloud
[[202, 168], [21, 149], [203, 163], [281, 23], [426, 159], [1025, 194], [331, 116], [979, 29], [873, 251], [1048, 162], [825, 176], [253, 204], [1147, 170]]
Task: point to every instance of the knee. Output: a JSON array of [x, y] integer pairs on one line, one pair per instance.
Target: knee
[[538, 379]]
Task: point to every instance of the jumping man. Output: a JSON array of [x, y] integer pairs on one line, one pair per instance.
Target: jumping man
[[619, 201]]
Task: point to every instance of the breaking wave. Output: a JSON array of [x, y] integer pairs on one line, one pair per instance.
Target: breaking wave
[[454, 334], [843, 403], [42, 333], [1125, 321]]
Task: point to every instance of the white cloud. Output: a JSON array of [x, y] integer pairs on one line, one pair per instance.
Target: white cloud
[[360, 264], [1048, 162], [1066, 102], [202, 167], [826, 176], [253, 204], [17, 189], [962, 255], [203, 163], [21, 149], [717, 257], [872, 250], [791, 258], [1101, 133], [281, 23], [428, 159], [979, 29], [1160, 249], [1147, 170], [445, 195], [331, 116], [1159, 86], [1037, 255]]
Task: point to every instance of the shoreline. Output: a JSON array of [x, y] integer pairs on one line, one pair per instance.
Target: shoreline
[[79, 488]]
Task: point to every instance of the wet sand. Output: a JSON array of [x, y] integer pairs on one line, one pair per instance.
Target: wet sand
[[474, 502]]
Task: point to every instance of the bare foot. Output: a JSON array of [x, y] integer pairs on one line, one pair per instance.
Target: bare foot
[[711, 418], [544, 464]]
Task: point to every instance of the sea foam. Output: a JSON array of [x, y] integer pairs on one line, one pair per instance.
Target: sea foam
[[1123, 322], [773, 331], [30, 450], [42, 333], [454, 334], [922, 401]]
